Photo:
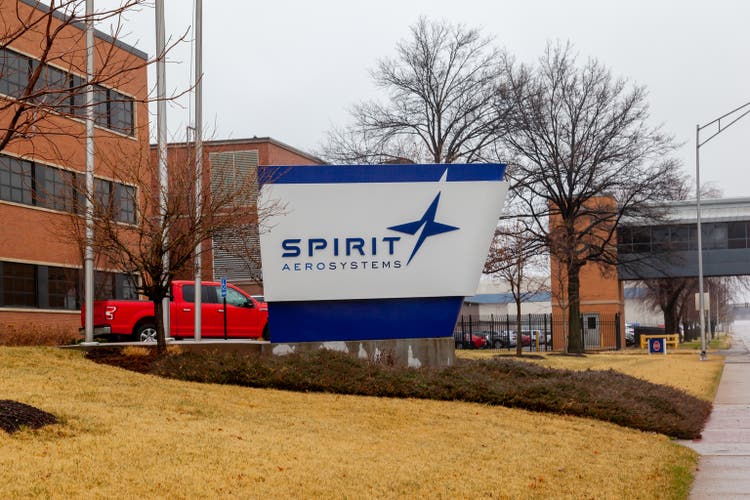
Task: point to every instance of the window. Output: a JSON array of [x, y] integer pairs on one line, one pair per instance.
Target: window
[[15, 180], [104, 287], [641, 240], [53, 87], [62, 286], [125, 288], [680, 237], [113, 286], [624, 239], [125, 196], [209, 294], [714, 235], [14, 73], [65, 92], [235, 298], [660, 238], [40, 185], [78, 96], [101, 106], [120, 113], [50, 287], [737, 234], [102, 197], [19, 284], [54, 188]]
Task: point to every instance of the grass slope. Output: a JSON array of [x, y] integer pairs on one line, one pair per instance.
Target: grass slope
[[680, 369], [604, 395], [127, 435]]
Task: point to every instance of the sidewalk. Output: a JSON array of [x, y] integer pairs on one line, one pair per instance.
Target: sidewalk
[[724, 465]]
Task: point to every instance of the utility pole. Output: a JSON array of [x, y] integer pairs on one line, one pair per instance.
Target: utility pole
[[161, 139], [198, 158], [88, 255], [732, 116]]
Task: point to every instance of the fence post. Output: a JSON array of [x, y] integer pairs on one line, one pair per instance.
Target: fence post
[[471, 344], [617, 331], [583, 337], [548, 345]]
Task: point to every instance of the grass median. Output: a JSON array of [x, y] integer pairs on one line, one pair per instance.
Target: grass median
[[123, 434]]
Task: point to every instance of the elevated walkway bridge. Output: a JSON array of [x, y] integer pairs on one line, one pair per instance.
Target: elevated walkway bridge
[[670, 248]]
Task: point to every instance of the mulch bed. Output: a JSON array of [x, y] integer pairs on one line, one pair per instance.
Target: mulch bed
[[15, 415], [113, 356]]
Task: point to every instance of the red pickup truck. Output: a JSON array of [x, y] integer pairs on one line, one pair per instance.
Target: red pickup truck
[[246, 316]]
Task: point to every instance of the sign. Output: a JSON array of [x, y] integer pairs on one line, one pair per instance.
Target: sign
[[706, 301], [657, 345], [223, 288], [381, 251]]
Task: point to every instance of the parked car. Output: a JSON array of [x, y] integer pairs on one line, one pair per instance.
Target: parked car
[[245, 316], [544, 338], [492, 339], [513, 338], [496, 340], [477, 341], [629, 334]]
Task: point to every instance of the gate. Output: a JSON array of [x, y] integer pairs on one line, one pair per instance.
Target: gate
[[591, 328]]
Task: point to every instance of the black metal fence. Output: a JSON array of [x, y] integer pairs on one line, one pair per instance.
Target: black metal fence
[[538, 332], [499, 332]]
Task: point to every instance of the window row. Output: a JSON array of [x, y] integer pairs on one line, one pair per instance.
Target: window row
[[30, 183], [714, 236], [64, 92], [49, 287]]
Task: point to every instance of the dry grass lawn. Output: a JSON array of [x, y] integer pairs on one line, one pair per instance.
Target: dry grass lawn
[[128, 435], [681, 369]]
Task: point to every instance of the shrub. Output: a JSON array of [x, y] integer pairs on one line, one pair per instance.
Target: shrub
[[38, 334], [604, 395]]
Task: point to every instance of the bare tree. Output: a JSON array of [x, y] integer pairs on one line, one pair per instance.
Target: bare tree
[[138, 243], [581, 156], [441, 87], [670, 295], [51, 84], [512, 253]]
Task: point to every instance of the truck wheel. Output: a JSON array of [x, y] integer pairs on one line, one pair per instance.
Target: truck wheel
[[265, 335], [145, 332]]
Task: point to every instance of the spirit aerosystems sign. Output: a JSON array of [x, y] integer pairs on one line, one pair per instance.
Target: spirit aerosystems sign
[[374, 251]]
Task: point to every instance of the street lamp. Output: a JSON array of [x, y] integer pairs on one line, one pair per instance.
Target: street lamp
[[733, 116]]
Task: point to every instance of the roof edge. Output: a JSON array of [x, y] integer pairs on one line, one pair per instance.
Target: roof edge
[[99, 34], [248, 140]]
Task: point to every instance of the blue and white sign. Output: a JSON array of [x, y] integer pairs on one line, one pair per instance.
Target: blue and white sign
[[223, 288], [657, 345], [375, 241]]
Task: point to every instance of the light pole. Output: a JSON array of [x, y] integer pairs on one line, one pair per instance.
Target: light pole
[[733, 116]]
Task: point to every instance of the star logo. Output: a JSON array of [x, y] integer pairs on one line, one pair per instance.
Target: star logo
[[426, 224]]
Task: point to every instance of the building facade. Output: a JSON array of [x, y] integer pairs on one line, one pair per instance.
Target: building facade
[[229, 256], [601, 297], [42, 167]]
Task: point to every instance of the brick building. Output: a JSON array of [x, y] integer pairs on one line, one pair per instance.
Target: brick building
[[601, 297], [239, 262], [42, 169]]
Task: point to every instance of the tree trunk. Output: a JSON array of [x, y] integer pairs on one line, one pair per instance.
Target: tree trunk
[[161, 340], [670, 319], [575, 338]]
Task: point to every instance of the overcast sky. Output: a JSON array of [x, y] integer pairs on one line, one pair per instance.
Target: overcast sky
[[291, 69]]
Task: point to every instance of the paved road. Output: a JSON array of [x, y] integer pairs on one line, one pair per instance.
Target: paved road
[[724, 466]]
